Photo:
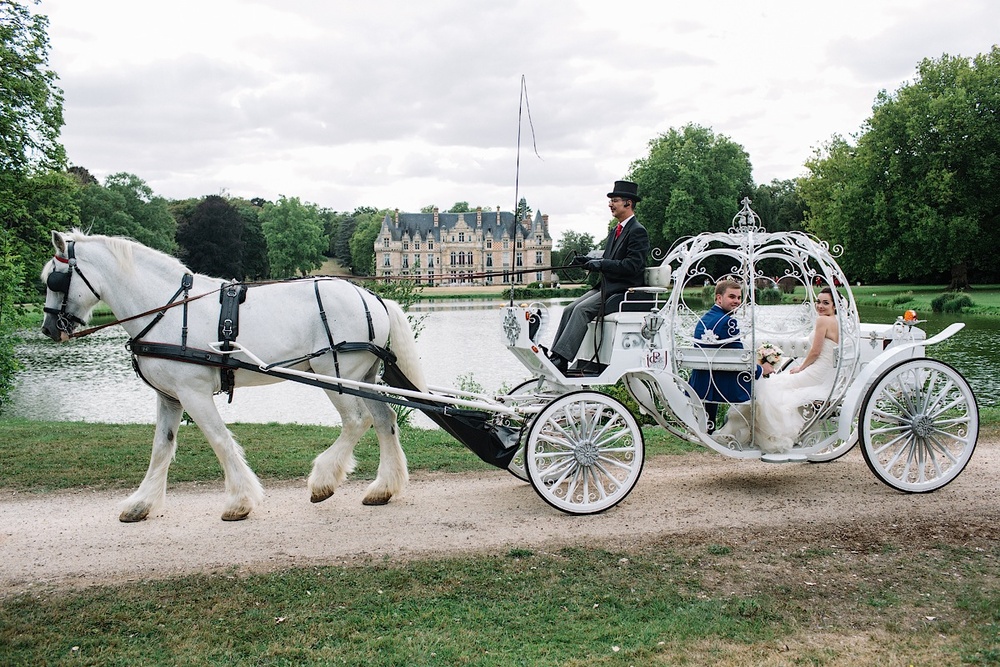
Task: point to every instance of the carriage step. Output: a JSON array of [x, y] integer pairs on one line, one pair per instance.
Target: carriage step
[[784, 457]]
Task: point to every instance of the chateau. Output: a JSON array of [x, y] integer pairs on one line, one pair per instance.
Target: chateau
[[465, 248]]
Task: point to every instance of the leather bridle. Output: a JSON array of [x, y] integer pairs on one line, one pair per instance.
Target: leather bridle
[[59, 282]]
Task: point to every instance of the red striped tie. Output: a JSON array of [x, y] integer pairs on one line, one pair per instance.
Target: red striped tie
[[618, 230]]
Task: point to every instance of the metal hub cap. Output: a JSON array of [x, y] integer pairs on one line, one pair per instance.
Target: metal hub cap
[[586, 453], [923, 426]]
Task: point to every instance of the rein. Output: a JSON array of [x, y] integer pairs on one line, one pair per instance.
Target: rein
[[159, 309]]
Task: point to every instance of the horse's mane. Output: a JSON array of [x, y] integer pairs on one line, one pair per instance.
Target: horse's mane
[[125, 250]]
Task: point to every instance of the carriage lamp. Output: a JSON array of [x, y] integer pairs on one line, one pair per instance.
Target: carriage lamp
[[651, 323], [910, 316]]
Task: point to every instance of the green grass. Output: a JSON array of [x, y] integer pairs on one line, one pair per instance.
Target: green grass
[[657, 605], [48, 456]]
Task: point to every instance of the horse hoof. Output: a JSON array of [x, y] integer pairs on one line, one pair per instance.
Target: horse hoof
[[235, 515], [320, 497], [134, 515], [381, 499]]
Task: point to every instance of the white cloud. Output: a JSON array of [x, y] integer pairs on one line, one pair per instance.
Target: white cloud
[[400, 104]]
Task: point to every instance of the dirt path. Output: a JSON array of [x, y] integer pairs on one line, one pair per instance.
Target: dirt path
[[74, 538]]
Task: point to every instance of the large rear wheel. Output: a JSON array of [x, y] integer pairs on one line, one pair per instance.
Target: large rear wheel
[[584, 452], [919, 425]]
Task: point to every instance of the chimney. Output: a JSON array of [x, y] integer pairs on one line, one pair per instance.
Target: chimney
[[436, 219]]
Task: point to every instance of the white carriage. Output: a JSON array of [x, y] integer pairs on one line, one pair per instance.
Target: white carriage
[[582, 450]]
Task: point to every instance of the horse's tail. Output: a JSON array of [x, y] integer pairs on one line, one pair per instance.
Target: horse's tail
[[404, 345]]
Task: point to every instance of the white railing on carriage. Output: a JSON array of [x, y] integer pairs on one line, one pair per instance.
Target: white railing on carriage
[[291, 373]]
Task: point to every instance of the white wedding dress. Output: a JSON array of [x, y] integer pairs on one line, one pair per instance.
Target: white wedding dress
[[777, 399]]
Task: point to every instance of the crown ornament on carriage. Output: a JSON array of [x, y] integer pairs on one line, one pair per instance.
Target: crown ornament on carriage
[[746, 220]]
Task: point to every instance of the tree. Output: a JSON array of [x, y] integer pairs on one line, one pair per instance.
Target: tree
[[211, 238], [31, 114], [369, 225], [692, 181], [523, 211], [460, 207], [571, 244], [33, 195], [932, 152], [294, 234], [838, 208], [255, 262], [126, 206], [921, 190], [780, 206]]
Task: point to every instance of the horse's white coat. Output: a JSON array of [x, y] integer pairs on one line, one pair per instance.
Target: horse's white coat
[[278, 322]]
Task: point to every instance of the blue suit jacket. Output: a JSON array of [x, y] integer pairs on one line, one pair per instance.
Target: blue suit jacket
[[720, 386]]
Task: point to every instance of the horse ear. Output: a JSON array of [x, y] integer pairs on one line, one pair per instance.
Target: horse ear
[[59, 242]]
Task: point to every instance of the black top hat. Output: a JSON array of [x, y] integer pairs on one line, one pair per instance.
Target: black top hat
[[626, 190]]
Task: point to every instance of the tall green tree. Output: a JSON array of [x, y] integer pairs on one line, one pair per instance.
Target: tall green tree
[[294, 233], [255, 263], [691, 181], [211, 238], [932, 154], [921, 190], [839, 208], [32, 193], [126, 206], [369, 224], [31, 114], [780, 206]]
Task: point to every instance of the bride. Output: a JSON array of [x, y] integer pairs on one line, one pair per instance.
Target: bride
[[777, 420]]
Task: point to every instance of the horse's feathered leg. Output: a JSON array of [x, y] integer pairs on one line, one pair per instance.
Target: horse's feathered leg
[[392, 474], [152, 493], [243, 490], [332, 466]]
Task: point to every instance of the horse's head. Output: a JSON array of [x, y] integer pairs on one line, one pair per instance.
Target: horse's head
[[69, 295]]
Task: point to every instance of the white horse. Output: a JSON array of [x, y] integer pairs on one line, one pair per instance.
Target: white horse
[[277, 322]]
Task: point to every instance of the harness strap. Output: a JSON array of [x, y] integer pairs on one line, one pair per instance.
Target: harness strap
[[231, 295], [326, 326], [187, 280]]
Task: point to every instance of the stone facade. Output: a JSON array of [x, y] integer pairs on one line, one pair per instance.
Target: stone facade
[[464, 248]]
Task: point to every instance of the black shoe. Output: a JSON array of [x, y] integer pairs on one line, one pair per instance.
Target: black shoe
[[560, 363]]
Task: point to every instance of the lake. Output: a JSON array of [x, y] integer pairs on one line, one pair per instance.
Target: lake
[[91, 378]]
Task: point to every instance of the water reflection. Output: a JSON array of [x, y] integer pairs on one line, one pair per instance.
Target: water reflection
[[91, 379]]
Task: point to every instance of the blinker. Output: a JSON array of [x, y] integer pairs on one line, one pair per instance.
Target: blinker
[[58, 281]]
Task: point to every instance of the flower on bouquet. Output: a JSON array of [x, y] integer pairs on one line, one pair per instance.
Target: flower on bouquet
[[769, 353]]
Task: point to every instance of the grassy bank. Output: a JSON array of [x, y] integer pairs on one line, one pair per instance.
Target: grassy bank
[[49, 456]]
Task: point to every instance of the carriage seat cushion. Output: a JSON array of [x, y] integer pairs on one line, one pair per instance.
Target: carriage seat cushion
[[792, 347]]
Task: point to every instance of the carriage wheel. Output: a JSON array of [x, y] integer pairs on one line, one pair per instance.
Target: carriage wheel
[[919, 425], [584, 452]]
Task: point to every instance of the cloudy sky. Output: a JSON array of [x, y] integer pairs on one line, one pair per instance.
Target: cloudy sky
[[404, 103]]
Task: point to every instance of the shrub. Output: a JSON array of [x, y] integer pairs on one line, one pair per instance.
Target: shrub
[[900, 299], [951, 302], [769, 296]]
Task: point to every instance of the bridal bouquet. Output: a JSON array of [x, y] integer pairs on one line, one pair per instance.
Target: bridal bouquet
[[769, 353]]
